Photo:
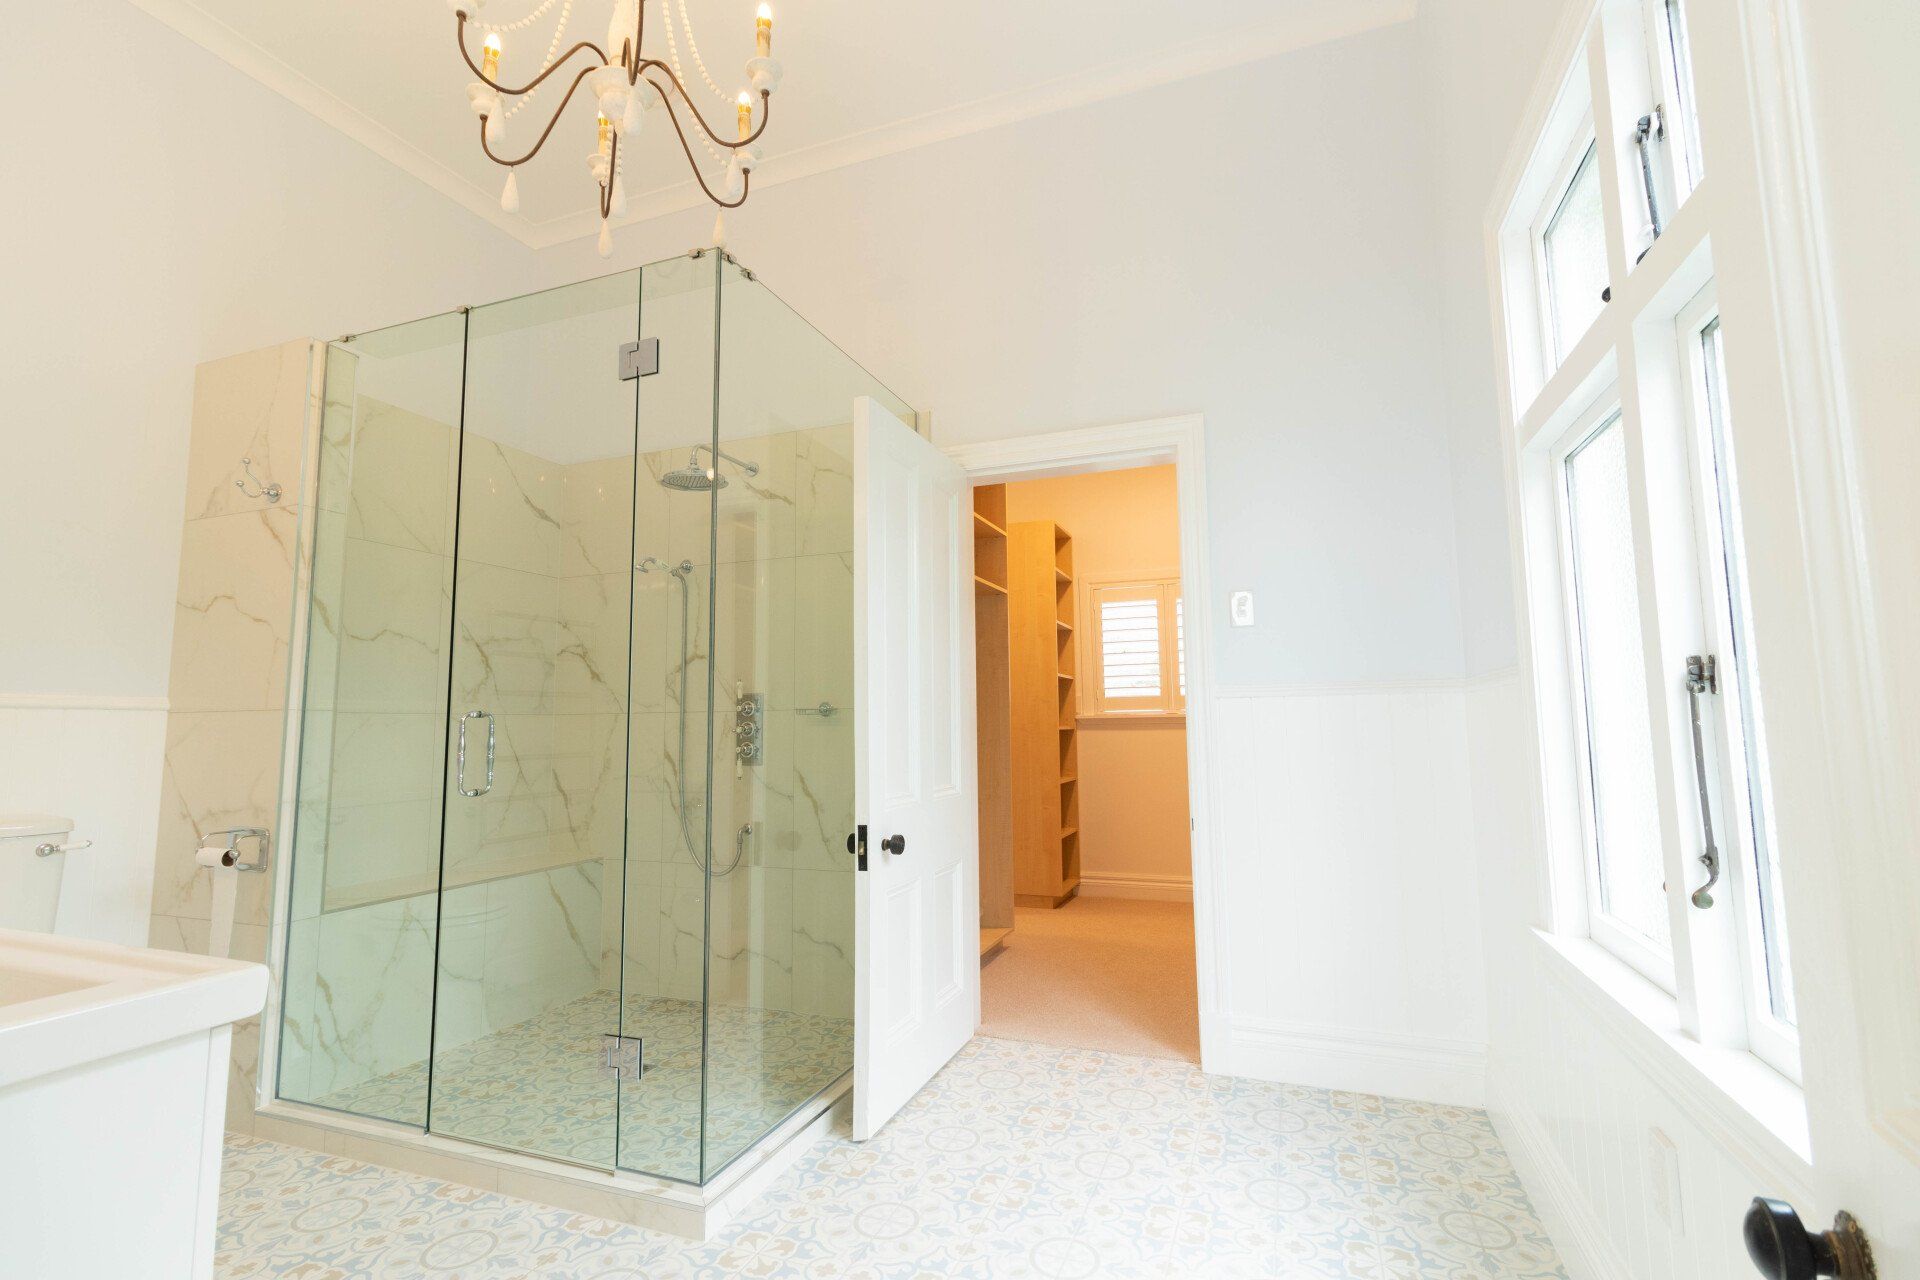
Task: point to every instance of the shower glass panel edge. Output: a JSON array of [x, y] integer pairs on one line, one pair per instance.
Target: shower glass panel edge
[[357, 969]]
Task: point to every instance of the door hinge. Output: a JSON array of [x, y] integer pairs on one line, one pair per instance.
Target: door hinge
[[623, 1058], [857, 845], [639, 359]]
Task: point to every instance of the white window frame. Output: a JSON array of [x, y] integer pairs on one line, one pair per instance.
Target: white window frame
[[1652, 963], [1683, 162], [1773, 1041], [1629, 357], [1090, 691]]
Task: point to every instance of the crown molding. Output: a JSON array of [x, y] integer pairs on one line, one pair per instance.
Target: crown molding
[[1304, 23]]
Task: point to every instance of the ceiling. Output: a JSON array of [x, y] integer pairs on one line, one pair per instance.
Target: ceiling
[[863, 78]]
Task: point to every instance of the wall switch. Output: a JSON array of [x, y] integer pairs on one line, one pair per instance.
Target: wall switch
[[1240, 608]]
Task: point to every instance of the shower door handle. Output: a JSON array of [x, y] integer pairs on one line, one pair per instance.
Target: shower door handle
[[460, 765]]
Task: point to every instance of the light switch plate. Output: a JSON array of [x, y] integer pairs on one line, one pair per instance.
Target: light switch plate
[[1240, 608]]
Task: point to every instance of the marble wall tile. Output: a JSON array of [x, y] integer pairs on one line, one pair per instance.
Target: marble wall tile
[[506, 638], [823, 943], [752, 938], [591, 655], [822, 791], [597, 517], [823, 630], [401, 477], [221, 770], [823, 490], [254, 405], [511, 507], [368, 1010], [755, 515], [234, 612], [381, 757], [390, 646]]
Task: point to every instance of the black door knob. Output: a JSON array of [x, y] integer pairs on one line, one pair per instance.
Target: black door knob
[[1783, 1249], [895, 845]]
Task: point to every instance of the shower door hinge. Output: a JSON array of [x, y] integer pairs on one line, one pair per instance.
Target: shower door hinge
[[639, 359], [623, 1057]]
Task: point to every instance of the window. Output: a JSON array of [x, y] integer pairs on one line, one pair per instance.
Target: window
[[1137, 658], [1573, 251], [1674, 66], [1655, 772], [1749, 849], [1625, 860]]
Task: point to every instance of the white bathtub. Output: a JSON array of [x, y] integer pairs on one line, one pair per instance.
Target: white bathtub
[[113, 1084]]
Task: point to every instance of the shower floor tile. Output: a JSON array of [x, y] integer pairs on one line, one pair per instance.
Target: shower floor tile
[[1018, 1160], [540, 1087]]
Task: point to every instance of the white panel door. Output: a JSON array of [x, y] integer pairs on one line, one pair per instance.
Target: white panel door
[[917, 892]]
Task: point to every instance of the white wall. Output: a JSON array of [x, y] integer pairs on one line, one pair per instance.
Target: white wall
[[1255, 245], [196, 215]]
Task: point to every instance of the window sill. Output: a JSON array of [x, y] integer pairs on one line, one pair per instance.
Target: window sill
[[1111, 719], [1741, 1103]]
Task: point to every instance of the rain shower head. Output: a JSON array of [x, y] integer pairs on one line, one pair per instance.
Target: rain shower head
[[694, 478]]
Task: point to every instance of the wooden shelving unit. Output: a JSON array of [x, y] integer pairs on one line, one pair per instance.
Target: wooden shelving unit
[[1045, 755], [994, 711]]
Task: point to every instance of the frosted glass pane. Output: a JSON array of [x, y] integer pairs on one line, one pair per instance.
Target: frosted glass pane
[[1575, 242], [1761, 853], [1626, 829]]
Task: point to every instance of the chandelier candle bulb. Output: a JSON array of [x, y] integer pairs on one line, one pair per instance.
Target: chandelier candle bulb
[[746, 116], [510, 194], [490, 56], [763, 31]]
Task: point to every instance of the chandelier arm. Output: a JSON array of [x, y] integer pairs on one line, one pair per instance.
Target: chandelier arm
[[746, 179], [542, 140], [766, 107], [531, 84]]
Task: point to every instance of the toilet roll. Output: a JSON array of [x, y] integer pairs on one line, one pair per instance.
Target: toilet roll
[[226, 888]]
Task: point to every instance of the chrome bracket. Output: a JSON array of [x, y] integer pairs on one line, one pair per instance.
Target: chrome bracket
[[233, 858], [623, 1057], [639, 359]]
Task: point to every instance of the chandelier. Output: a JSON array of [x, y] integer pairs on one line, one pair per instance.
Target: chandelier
[[626, 85]]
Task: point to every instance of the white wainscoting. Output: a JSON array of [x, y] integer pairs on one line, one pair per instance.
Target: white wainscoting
[[95, 760], [1576, 1097], [1349, 909]]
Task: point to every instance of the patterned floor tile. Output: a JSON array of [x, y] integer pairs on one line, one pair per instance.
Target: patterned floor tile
[[1018, 1162]]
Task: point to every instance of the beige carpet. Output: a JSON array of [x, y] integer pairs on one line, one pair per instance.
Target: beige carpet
[[1098, 973]]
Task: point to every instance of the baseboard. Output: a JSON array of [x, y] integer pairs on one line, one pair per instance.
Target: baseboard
[[1144, 888], [1586, 1250], [1426, 1068]]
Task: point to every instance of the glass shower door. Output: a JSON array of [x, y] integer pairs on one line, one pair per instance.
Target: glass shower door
[[535, 795]]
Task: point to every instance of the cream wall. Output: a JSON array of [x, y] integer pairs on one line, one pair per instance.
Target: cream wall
[[206, 216], [1134, 838]]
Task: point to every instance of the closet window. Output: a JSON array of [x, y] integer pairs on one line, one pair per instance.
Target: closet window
[[1136, 660], [1573, 251]]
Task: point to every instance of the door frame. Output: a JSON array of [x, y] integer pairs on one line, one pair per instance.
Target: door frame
[[1180, 441]]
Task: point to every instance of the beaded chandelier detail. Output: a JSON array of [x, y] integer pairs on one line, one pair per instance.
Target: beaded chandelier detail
[[627, 86]]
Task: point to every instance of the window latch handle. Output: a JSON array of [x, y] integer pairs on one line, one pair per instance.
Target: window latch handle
[[1702, 678]]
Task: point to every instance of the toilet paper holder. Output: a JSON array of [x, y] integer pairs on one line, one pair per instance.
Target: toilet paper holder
[[230, 854]]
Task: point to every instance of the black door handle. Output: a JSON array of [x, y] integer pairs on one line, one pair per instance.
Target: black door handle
[[1783, 1249], [895, 845]]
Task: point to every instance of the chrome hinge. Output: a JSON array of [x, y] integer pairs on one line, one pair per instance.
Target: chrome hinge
[[623, 1060], [639, 359], [1703, 675]]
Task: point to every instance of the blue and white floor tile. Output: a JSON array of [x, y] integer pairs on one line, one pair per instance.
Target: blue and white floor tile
[[1019, 1160]]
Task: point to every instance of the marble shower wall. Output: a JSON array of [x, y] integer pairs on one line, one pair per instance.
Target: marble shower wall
[[233, 620], [782, 920]]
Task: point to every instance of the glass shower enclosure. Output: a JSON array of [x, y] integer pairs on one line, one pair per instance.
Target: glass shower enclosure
[[575, 777]]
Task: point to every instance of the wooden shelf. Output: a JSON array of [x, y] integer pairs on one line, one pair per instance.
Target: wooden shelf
[[993, 939], [1064, 676], [1069, 831], [1062, 574], [1065, 778], [985, 528], [981, 584], [1063, 625]]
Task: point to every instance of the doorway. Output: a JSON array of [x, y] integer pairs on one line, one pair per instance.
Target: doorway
[[1089, 833]]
